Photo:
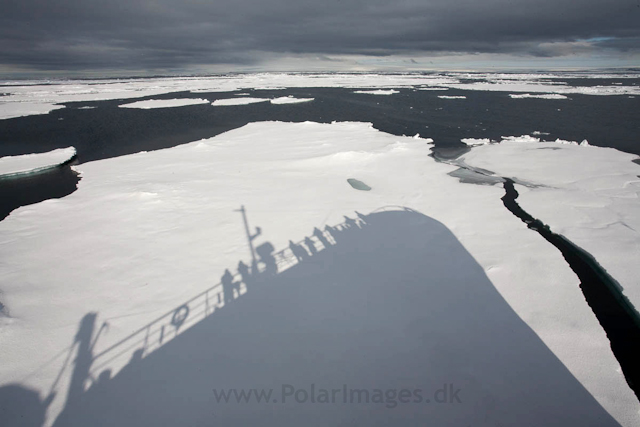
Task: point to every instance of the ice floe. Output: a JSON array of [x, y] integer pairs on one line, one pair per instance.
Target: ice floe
[[237, 101], [40, 97], [290, 100], [541, 96], [378, 91], [588, 195], [452, 97], [10, 110], [164, 103], [28, 163]]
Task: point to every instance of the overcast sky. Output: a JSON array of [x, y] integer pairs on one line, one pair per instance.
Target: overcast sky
[[156, 36]]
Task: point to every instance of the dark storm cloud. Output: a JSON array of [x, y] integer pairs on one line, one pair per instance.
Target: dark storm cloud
[[85, 34]]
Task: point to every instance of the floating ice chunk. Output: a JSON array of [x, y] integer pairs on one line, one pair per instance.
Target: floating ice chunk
[[521, 138], [290, 100], [27, 163], [10, 110], [541, 96], [378, 91], [451, 97], [237, 101], [164, 103]]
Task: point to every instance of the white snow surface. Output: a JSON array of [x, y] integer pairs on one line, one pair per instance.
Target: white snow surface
[[237, 101], [529, 138], [147, 232], [541, 96], [164, 103], [10, 110], [40, 97], [28, 163], [589, 195], [378, 91], [290, 100]]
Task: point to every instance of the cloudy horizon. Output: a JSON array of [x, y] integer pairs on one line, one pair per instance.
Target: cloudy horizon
[[80, 37]]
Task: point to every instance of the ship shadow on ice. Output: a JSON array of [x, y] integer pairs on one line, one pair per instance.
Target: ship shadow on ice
[[388, 301]]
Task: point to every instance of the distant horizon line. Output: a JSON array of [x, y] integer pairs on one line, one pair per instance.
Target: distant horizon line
[[31, 75]]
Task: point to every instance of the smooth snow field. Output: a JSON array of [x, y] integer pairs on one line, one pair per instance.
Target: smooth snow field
[[229, 266]]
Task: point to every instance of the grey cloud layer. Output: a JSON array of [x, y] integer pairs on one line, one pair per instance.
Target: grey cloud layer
[[76, 34]]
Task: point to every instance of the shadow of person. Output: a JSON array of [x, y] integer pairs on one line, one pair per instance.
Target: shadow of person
[[228, 286], [298, 251], [320, 236], [332, 232], [265, 254], [245, 274], [398, 305], [310, 245], [22, 407]]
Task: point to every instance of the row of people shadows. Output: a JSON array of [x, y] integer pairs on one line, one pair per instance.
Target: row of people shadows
[[267, 263]]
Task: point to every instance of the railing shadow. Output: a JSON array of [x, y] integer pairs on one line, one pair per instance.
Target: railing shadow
[[167, 326]]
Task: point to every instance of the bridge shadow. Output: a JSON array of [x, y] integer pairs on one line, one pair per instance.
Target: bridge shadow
[[388, 301]]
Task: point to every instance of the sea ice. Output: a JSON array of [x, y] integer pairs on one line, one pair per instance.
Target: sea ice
[[461, 290], [589, 195], [541, 96], [164, 103], [378, 91], [10, 110], [237, 101], [39, 97], [290, 100], [28, 163]]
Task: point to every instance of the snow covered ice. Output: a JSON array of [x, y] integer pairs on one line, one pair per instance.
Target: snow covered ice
[[378, 91], [540, 95], [26, 97], [29, 163], [164, 103], [290, 100], [10, 110], [237, 101], [419, 282]]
